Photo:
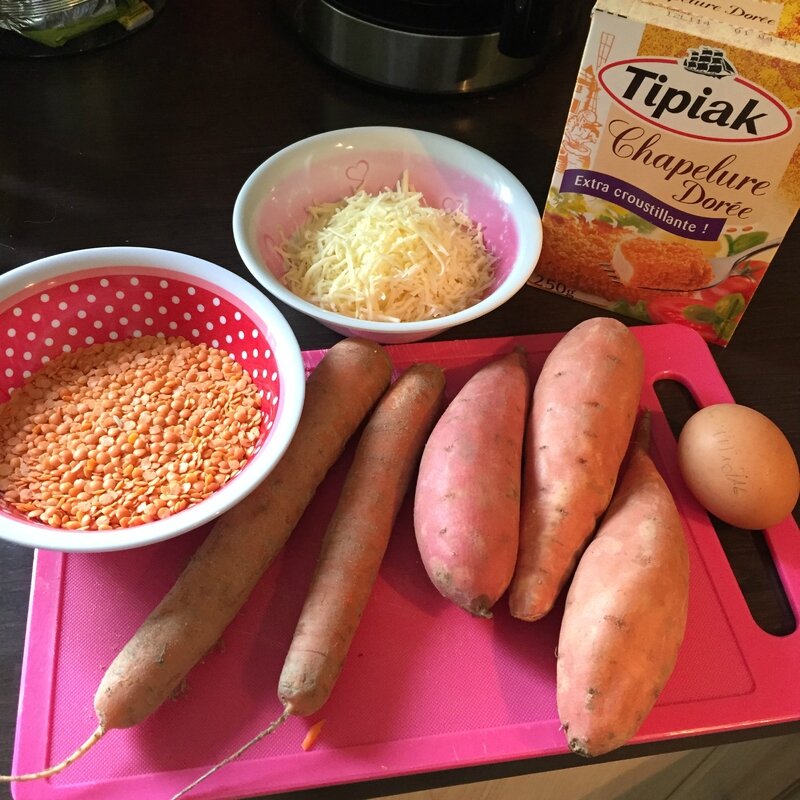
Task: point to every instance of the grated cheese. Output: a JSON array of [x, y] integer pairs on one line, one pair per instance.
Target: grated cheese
[[388, 257]]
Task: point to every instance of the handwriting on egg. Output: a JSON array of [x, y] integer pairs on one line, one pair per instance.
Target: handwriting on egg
[[736, 478]]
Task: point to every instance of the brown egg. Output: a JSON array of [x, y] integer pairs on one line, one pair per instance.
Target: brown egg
[[739, 466]]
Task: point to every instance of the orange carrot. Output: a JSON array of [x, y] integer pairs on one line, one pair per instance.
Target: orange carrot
[[354, 544], [218, 579], [312, 735], [357, 537]]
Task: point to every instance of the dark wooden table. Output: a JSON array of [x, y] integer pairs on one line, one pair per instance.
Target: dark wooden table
[[147, 141]]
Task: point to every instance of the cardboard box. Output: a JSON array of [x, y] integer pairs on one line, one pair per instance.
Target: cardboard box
[[679, 168]]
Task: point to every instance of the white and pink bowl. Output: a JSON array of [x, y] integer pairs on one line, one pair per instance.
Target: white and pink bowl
[[72, 300], [274, 200]]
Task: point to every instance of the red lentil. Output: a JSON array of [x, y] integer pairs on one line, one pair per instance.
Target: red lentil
[[122, 433]]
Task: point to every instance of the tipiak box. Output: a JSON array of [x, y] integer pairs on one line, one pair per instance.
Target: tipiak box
[[679, 168]]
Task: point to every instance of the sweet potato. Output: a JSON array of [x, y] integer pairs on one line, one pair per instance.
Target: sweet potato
[[584, 406], [218, 579], [467, 500], [353, 547], [625, 613]]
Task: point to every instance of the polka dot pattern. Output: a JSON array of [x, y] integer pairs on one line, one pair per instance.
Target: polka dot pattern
[[38, 326]]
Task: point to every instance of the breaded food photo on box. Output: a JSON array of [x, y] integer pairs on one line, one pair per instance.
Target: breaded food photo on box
[[679, 168]]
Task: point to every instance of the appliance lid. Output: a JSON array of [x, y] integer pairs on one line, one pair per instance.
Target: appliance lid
[[431, 17]]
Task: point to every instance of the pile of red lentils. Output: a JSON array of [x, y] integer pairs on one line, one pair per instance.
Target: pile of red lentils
[[119, 434]]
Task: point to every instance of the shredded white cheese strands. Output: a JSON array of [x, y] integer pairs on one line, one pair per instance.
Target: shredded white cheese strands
[[388, 258]]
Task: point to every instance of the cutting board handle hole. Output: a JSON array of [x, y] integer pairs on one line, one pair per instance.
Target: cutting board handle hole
[[752, 563]]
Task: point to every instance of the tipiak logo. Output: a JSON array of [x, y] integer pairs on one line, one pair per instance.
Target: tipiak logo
[[700, 96]]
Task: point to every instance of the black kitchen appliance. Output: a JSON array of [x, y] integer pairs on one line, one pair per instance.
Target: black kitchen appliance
[[436, 46]]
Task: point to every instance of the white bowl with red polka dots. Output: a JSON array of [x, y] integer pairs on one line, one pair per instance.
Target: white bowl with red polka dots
[[74, 300], [273, 203]]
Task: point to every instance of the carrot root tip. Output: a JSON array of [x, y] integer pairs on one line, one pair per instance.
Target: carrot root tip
[[56, 768], [233, 756]]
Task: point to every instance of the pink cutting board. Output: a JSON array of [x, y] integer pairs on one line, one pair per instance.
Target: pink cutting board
[[426, 687]]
